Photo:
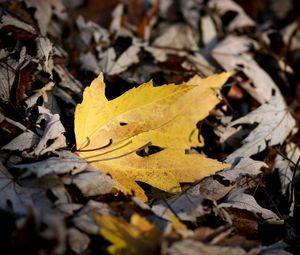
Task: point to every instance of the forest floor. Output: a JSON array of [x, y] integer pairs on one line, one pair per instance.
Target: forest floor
[[119, 172]]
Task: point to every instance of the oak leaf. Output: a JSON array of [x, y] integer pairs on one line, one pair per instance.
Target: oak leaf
[[164, 116]]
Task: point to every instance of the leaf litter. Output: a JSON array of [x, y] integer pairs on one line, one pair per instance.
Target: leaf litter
[[158, 142]]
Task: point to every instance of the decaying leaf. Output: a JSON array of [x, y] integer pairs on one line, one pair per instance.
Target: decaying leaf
[[137, 237], [85, 220], [183, 41], [44, 12], [240, 20], [24, 141], [186, 206], [145, 115], [93, 183], [64, 163], [52, 134], [128, 57], [233, 54], [78, 240], [43, 92], [45, 51], [17, 197], [287, 171], [194, 248], [214, 187], [181, 38], [275, 123], [9, 20], [240, 200]]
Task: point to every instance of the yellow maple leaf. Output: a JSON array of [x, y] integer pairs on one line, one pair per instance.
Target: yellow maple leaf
[[164, 116], [134, 238]]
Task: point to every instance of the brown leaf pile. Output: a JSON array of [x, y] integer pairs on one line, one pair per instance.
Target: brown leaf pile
[[55, 202]]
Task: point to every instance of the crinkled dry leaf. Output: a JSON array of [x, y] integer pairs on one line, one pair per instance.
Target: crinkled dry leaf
[[17, 197], [44, 11], [213, 188], [238, 199], [285, 173], [194, 248], [179, 36], [240, 20], [277, 248], [275, 123], [43, 92], [209, 31], [90, 30], [187, 206], [78, 240], [164, 116], [285, 168], [45, 51], [245, 167], [64, 163], [92, 183], [8, 20], [24, 141], [52, 135], [89, 62], [85, 220], [8, 72], [232, 54]]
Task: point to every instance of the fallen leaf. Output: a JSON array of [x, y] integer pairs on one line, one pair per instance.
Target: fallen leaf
[[240, 20], [78, 240], [245, 167], [45, 51], [40, 229], [191, 10], [208, 28], [186, 206], [285, 168], [285, 173], [180, 40], [175, 222], [233, 54], [43, 92], [157, 115], [238, 199], [18, 197], [64, 163], [8, 75], [8, 20], [277, 248], [109, 62], [179, 36], [244, 222], [44, 11], [194, 248], [137, 237], [92, 183], [89, 62], [84, 219], [67, 82], [240, 241], [24, 141], [275, 123], [52, 135], [214, 187], [290, 36]]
